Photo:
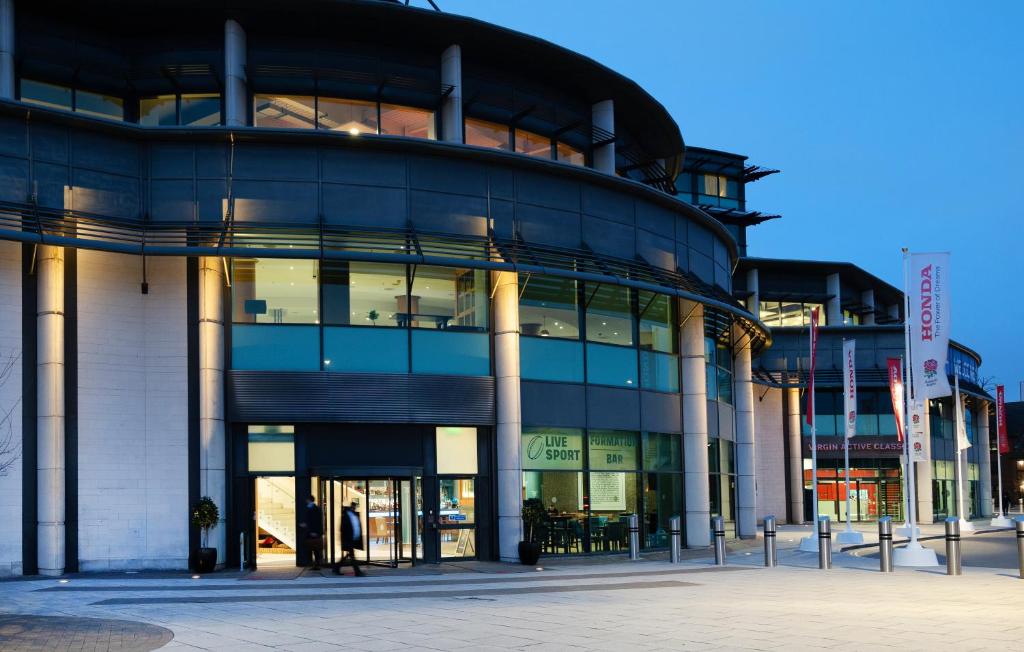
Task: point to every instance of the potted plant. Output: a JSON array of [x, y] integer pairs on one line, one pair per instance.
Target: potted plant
[[533, 518], [205, 516]]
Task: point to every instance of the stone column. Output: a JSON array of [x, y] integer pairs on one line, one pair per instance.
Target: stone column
[[746, 485], [236, 95], [451, 110], [695, 426], [212, 479], [508, 429], [754, 288], [834, 307], [50, 484], [603, 117], [794, 430], [7, 49], [984, 458]]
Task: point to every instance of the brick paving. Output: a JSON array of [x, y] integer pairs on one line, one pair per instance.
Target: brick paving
[[57, 633]]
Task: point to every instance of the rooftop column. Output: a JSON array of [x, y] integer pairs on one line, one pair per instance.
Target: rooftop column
[[603, 119], [867, 297], [451, 110], [746, 488], [695, 426], [508, 431], [7, 49], [235, 92], [50, 479], [754, 288], [984, 459], [834, 307], [212, 481], [794, 429]]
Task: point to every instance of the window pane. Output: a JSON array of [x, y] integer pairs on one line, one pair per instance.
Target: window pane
[[268, 347], [711, 381], [548, 307], [552, 448], [458, 502], [363, 294], [613, 450], [661, 452], [710, 185], [542, 358], [658, 322], [612, 496], [274, 291], [99, 105], [486, 134], [200, 110], [406, 121], [724, 386], [447, 352], [283, 111], [456, 450], [663, 499], [160, 111], [659, 371], [272, 449], [384, 350], [561, 494], [448, 298], [354, 116], [610, 314], [533, 144], [43, 94], [569, 154], [611, 365]]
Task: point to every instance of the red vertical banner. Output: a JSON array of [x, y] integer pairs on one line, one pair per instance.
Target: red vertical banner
[[1004, 442], [896, 392], [814, 356]]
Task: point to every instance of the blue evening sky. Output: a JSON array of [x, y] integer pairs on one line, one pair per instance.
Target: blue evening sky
[[894, 124]]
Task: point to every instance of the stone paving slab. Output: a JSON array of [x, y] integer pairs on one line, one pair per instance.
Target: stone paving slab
[[58, 633]]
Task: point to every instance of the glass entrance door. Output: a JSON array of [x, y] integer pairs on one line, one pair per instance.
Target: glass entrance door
[[390, 527]]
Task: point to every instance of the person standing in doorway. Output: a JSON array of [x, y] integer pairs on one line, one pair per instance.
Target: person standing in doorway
[[313, 524], [351, 539]]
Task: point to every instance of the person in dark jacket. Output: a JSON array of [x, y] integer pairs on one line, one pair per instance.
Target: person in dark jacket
[[313, 524], [351, 538]]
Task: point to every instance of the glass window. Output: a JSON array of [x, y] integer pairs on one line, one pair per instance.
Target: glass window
[[284, 111], [383, 350], [159, 111], [266, 347], [482, 133], [532, 144], [569, 154], [448, 298], [200, 110], [613, 496], [725, 386], [406, 121], [552, 448], [611, 365], [44, 94], [353, 116], [661, 452], [448, 352], [542, 358], [561, 494], [658, 330], [659, 371], [610, 314], [456, 450], [613, 450], [272, 449], [458, 502], [363, 294], [663, 499], [99, 105], [548, 306], [274, 291]]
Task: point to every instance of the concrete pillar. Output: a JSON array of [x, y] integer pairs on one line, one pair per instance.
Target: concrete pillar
[[603, 118], [7, 49], [451, 110], [867, 297], [212, 478], [508, 431], [236, 95], [925, 506], [50, 485], [754, 288], [984, 458], [695, 426], [796, 455], [834, 307], [746, 485]]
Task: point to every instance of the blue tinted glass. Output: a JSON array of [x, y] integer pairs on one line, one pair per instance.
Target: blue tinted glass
[[380, 349], [725, 386], [275, 347], [711, 381], [545, 358], [442, 352], [611, 365], [659, 371]]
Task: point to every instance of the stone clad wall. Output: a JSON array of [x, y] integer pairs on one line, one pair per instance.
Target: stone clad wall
[[10, 404], [770, 454]]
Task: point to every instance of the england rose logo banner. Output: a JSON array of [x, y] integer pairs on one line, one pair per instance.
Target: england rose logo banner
[[1004, 443], [896, 392], [929, 324], [850, 386]]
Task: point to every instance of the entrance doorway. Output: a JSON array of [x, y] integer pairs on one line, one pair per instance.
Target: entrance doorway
[[274, 512]]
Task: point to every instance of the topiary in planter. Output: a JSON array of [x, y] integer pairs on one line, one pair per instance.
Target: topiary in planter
[[205, 516]]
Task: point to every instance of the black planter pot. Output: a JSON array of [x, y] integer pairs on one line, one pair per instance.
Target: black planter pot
[[206, 560], [529, 552]]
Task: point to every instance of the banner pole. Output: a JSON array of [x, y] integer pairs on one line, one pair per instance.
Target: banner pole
[[960, 428], [846, 444], [908, 393], [999, 469], [814, 450]]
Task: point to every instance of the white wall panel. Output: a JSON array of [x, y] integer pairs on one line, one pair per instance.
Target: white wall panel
[[770, 456]]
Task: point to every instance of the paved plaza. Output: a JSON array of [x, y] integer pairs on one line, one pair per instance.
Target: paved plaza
[[606, 604]]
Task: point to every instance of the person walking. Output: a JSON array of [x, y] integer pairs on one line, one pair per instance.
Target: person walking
[[351, 539], [313, 524]]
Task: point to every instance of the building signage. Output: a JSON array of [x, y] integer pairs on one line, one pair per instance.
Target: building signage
[[895, 366], [612, 451], [553, 449], [1004, 442], [929, 324], [607, 491], [963, 365], [862, 446]]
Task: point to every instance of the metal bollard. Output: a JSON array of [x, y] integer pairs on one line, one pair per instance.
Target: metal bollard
[[953, 546], [676, 537], [771, 556], [241, 552], [885, 544], [718, 531], [824, 543], [634, 537], [1019, 522]]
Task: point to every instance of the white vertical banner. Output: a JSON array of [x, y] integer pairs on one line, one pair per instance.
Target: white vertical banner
[[917, 432], [850, 386], [962, 442], [929, 324]]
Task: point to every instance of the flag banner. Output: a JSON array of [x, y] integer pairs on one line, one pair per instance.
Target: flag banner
[[929, 324], [1004, 442], [850, 386], [814, 356], [896, 392], [917, 432], [962, 442]]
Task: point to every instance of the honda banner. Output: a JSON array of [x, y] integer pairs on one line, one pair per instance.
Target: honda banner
[[850, 386], [814, 355], [1004, 442], [929, 324], [896, 392]]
